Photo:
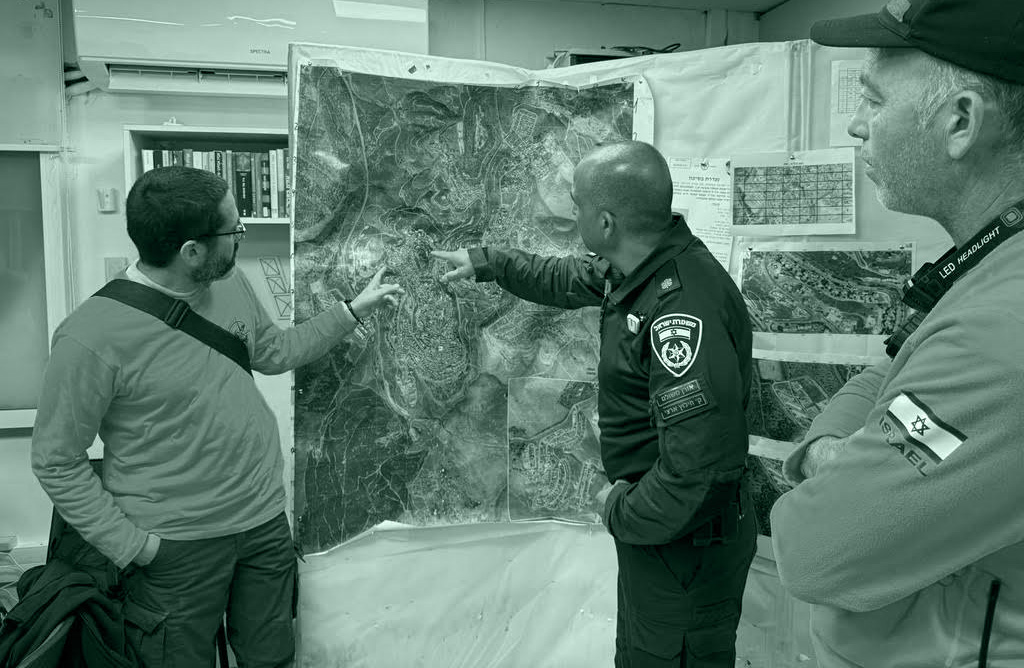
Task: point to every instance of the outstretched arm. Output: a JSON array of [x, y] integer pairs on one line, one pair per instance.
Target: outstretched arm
[[277, 350], [565, 282]]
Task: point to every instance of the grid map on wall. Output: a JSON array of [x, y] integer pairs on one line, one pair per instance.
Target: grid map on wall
[[793, 195]]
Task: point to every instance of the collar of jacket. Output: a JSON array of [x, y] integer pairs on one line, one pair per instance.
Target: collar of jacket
[[674, 242]]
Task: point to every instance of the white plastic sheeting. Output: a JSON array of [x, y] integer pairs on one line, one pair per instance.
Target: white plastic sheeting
[[529, 595]]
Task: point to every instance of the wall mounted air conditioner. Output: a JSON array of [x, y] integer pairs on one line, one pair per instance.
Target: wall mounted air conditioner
[[227, 47], [578, 56]]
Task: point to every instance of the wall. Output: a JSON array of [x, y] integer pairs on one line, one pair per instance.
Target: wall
[[793, 19], [525, 32]]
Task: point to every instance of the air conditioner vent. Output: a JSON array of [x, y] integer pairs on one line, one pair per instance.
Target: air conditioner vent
[[196, 81]]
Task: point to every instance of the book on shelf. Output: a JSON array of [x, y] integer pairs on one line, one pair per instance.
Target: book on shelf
[[254, 192], [229, 172], [243, 183], [287, 184], [147, 160], [282, 206], [275, 211], [186, 157], [264, 202]]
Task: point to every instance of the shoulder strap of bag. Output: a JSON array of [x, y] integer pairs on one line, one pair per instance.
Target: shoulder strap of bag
[[178, 315]]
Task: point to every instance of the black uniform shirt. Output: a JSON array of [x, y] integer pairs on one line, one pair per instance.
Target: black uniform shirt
[[674, 376]]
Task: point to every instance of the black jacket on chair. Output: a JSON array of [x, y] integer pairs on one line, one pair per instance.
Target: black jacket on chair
[[48, 595]]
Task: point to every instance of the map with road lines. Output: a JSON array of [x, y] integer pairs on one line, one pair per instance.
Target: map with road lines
[[554, 455], [786, 396], [766, 483], [831, 291], [408, 421]]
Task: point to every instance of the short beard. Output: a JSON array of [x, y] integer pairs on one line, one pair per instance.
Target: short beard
[[214, 269]]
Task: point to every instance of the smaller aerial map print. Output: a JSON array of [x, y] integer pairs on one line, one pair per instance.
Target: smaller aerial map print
[[799, 195], [808, 192], [554, 457], [826, 291], [767, 484], [786, 396]]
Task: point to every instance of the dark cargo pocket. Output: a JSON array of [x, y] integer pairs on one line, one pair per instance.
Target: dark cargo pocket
[[147, 633], [664, 641], [714, 639]]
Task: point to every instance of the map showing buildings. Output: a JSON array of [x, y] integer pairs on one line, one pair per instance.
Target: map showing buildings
[[786, 396], [825, 291], [793, 195], [767, 484], [408, 421], [554, 454]]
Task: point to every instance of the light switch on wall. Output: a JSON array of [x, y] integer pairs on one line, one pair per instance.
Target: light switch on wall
[[106, 200], [112, 266]]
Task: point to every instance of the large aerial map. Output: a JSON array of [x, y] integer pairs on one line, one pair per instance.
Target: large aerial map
[[408, 421], [825, 291], [786, 396], [554, 456]]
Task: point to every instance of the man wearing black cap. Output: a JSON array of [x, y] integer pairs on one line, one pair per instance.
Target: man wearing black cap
[[906, 530]]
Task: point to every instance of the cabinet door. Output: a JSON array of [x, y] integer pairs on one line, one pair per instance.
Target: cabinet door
[[23, 320], [32, 77]]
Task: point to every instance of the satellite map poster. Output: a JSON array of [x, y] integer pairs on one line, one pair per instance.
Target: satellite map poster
[[409, 421], [787, 392], [833, 299]]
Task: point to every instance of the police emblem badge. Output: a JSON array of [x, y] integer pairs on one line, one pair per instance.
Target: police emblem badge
[[675, 340]]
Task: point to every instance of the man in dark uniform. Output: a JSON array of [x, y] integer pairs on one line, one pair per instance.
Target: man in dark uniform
[[674, 377]]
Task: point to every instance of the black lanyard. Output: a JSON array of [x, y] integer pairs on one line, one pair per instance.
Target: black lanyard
[[929, 283]]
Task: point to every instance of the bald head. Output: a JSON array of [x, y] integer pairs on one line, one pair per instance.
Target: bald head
[[629, 179]]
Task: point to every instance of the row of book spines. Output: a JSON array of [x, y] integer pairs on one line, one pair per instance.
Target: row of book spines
[[259, 180]]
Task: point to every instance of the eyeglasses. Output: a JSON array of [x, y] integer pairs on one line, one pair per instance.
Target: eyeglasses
[[239, 230]]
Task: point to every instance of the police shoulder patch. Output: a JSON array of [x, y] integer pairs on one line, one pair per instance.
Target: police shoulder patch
[[675, 340], [681, 401]]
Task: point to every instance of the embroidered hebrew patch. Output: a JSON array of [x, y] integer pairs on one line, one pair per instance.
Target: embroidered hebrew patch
[[675, 340]]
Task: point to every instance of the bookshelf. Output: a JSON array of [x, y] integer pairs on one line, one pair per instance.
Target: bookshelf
[[228, 142]]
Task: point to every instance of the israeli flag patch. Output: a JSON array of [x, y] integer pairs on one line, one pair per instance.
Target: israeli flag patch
[[914, 426]]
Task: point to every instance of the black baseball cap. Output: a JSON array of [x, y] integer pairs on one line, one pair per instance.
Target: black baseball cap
[[986, 36]]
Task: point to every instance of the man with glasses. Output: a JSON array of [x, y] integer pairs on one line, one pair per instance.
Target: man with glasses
[[192, 499], [905, 532], [674, 376]]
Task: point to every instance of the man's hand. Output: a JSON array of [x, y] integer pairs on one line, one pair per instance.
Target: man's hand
[[148, 552], [374, 294], [820, 452], [602, 494], [458, 259]]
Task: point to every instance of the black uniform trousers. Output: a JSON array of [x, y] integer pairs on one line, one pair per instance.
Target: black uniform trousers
[[679, 604]]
